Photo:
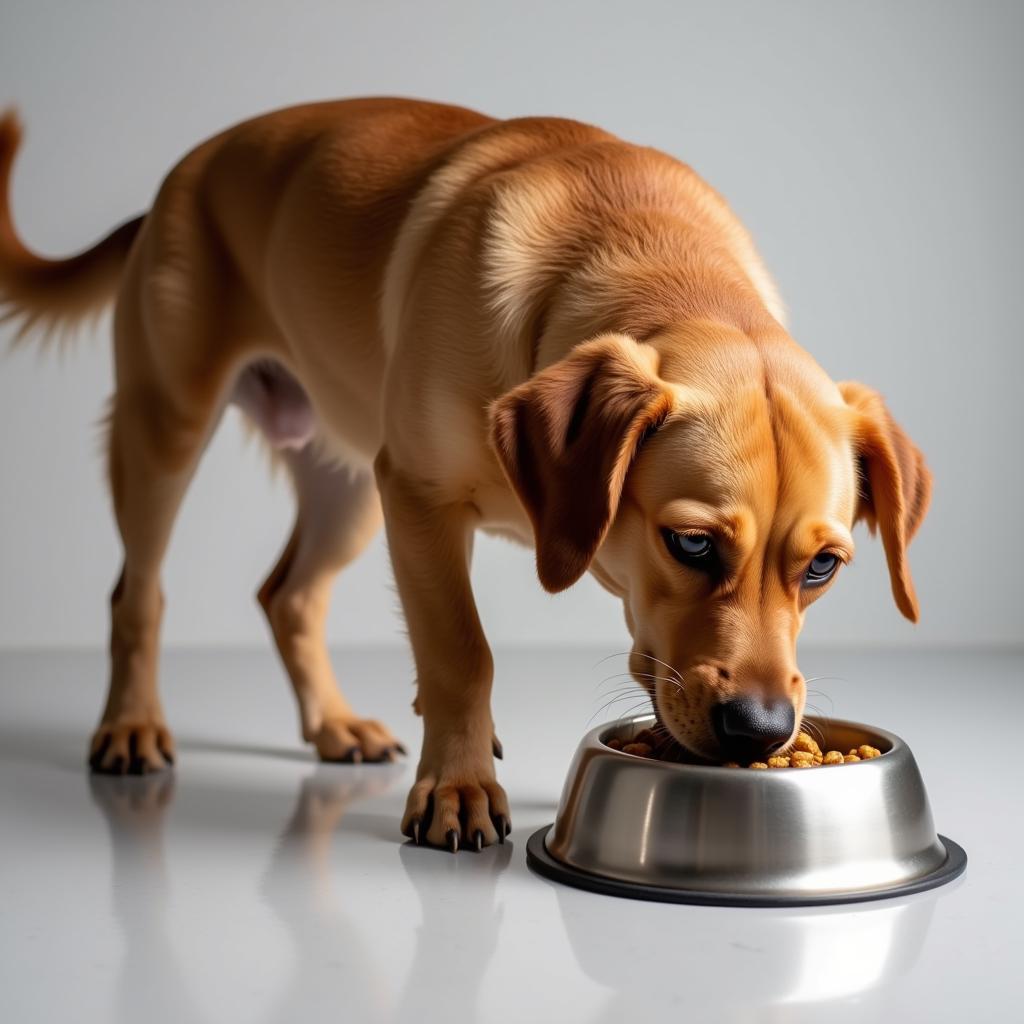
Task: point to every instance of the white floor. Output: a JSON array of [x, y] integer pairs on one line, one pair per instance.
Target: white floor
[[254, 885]]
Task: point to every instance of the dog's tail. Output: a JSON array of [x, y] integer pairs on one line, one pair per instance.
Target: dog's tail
[[42, 295]]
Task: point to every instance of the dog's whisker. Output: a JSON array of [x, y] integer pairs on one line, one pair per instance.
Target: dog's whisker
[[620, 654], [663, 679], [628, 675], [632, 694], [636, 676], [815, 732], [651, 675], [628, 713], [819, 693], [674, 671], [608, 704], [813, 728], [615, 675], [618, 678]]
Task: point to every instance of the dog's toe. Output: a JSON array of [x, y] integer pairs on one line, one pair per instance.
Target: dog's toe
[[456, 815], [355, 740], [131, 748]]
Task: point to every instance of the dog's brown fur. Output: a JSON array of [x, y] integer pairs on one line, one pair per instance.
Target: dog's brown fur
[[447, 322]]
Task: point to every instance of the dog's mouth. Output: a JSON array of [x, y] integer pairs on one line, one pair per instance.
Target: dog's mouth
[[669, 745], [665, 746], [701, 716]]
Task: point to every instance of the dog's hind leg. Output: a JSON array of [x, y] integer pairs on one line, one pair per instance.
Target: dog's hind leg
[[155, 443], [338, 514], [174, 371]]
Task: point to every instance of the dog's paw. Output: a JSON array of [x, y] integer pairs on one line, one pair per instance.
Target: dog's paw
[[354, 740], [468, 810], [131, 747]]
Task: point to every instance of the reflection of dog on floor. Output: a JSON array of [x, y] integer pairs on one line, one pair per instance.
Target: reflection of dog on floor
[[305, 884], [446, 322], [333, 961], [150, 975]]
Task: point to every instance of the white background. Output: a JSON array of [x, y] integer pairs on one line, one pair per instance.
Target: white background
[[873, 149]]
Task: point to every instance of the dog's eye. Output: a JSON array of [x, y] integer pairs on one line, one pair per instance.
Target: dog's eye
[[822, 568], [693, 549]]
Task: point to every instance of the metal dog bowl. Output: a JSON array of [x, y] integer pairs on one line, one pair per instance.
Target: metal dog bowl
[[695, 833]]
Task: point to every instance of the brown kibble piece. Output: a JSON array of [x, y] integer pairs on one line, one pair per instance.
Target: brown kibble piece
[[639, 749], [805, 743], [778, 761], [758, 766], [801, 757], [730, 764], [866, 753], [615, 743], [850, 758], [833, 757], [645, 736]]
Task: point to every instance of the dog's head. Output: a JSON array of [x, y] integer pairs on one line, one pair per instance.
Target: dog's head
[[712, 483]]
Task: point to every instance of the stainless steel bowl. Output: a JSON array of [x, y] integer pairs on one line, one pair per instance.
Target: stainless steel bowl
[[692, 833]]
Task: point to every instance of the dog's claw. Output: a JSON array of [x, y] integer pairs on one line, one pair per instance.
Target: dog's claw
[[96, 758], [504, 827], [478, 840], [497, 749], [351, 756], [400, 747], [453, 840]]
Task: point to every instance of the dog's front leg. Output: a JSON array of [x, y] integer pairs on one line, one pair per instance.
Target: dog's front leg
[[456, 799]]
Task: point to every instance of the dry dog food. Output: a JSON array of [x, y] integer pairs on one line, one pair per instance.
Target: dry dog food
[[805, 752]]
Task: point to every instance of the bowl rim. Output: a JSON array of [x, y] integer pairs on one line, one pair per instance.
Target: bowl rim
[[540, 860], [594, 739]]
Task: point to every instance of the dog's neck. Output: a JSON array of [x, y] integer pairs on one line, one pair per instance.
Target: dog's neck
[[676, 303]]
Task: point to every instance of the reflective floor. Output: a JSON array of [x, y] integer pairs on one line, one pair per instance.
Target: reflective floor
[[254, 885]]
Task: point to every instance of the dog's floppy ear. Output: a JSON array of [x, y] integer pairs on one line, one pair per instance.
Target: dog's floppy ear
[[565, 439], [895, 486]]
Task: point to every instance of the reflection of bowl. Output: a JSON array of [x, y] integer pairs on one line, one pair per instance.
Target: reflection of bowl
[[807, 959], [688, 833]]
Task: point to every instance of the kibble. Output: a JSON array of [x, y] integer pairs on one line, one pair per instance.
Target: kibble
[[806, 744], [805, 752], [638, 749]]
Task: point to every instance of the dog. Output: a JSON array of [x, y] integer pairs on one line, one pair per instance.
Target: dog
[[446, 322]]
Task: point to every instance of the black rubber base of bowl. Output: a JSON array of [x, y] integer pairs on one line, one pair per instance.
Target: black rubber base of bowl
[[538, 858]]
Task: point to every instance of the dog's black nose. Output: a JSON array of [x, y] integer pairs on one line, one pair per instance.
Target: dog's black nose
[[749, 729]]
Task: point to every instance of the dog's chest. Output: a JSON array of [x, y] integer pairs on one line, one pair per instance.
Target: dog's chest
[[501, 514]]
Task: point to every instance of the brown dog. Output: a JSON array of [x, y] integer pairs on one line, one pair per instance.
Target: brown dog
[[451, 322]]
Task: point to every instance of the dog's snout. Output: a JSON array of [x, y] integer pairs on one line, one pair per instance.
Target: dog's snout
[[748, 728]]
